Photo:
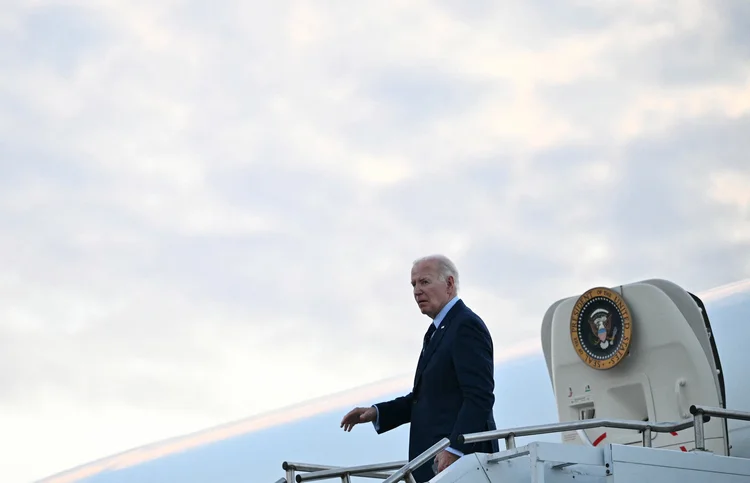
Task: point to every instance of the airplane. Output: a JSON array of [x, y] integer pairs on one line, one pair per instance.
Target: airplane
[[645, 351]]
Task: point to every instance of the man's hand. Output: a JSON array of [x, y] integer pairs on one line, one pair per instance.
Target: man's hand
[[444, 459], [358, 415]]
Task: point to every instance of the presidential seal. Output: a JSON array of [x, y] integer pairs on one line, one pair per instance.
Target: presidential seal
[[600, 328]]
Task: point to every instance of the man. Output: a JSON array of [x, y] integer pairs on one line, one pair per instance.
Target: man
[[454, 381]]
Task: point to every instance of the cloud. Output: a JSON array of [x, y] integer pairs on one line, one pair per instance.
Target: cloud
[[210, 213]]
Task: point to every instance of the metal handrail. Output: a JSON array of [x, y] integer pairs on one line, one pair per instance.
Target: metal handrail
[[361, 470], [701, 415], [509, 434], [705, 413], [720, 412], [375, 472], [405, 472]]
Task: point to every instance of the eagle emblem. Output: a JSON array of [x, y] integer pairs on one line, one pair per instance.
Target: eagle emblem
[[600, 322], [601, 327]]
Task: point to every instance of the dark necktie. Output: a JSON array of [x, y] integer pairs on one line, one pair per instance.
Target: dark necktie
[[428, 336]]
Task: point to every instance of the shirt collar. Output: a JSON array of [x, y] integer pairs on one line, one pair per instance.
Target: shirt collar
[[441, 315]]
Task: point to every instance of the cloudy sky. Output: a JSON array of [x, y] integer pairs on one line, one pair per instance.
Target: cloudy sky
[[210, 212]]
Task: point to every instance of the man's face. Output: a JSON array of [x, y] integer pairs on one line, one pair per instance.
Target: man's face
[[430, 292]]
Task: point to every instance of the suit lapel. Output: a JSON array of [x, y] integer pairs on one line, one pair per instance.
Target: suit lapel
[[435, 342]]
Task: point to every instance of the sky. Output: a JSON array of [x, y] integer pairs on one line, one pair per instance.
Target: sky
[[209, 213]]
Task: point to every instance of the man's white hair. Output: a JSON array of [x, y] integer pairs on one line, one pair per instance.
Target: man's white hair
[[445, 267]]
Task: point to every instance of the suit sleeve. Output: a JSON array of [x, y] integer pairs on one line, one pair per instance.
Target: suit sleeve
[[392, 414], [475, 367]]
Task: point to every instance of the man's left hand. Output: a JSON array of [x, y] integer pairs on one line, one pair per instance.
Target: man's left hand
[[444, 459]]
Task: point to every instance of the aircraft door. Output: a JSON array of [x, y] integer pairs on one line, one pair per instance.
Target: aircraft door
[[641, 351]]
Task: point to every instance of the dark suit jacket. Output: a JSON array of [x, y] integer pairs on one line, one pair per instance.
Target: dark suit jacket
[[452, 392]]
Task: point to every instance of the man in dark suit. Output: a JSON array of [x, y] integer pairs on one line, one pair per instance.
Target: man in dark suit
[[454, 381]]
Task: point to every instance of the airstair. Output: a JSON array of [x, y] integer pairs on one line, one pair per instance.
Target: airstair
[[640, 393]]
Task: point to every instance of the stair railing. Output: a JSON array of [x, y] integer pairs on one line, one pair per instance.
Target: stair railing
[[298, 472], [509, 435], [702, 414], [403, 470]]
